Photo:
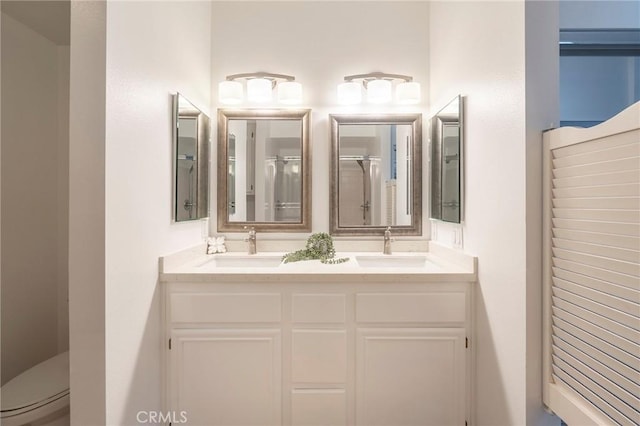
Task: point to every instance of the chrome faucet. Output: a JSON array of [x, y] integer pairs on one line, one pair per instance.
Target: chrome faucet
[[251, 240], [387, 241]]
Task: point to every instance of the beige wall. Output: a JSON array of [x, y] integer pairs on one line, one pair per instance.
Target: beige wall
[[86, 212], [34, 198]]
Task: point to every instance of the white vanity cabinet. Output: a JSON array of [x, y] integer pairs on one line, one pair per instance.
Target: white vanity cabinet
[[318, 350]]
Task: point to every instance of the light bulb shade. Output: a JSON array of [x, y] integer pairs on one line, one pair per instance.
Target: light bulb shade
[[259, 90], [230, 92], [349, 93], [290, 92], [408, 93], [379, 91]]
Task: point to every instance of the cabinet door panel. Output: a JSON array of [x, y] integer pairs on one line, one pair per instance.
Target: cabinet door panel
[[319, 356], [410, 377], [227, 377]]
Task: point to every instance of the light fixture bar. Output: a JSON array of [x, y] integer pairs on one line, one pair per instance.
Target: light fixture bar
[[378, 76], [268, 75], [260, 86], [378, 87]]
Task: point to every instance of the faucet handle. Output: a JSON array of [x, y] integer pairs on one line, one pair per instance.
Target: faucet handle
[[252, 234]]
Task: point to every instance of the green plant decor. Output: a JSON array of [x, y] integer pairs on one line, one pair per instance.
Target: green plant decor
[[319, 246]]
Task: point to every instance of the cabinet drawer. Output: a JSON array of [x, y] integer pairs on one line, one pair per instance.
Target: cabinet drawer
[[311, 407], [225, 308], [318, 308], [411, 307]]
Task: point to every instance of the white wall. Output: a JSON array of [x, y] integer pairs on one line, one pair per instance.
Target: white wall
[[34, 203], [320, 43], [478, 50], [153, 49]]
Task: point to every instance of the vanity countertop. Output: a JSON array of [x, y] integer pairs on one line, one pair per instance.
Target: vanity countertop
[[437, 264]]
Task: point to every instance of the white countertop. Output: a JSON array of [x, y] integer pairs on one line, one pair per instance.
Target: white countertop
[[437, 264]]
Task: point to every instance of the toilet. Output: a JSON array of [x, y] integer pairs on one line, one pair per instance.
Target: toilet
[[38, 396]]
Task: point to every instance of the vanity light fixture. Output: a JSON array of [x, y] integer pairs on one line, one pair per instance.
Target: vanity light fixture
[[378, 86], [260, 87]]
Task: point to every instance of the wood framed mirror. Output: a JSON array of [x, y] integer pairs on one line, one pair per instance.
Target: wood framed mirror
[[376, 174], [264, 170]]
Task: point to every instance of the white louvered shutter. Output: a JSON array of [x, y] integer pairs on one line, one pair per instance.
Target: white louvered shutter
[[593, 273]]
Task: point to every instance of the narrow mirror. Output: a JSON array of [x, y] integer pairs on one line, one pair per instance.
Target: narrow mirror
[[191, 165], [446, 163], [376, 174], [264, 175]]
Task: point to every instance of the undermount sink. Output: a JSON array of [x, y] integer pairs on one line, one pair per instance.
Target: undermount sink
[[391, 261], [244, 261]]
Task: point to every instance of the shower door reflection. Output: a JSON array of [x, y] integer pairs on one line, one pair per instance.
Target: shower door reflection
[[374, 176], [264, 182], [283, 185], [358, 174], [186, 175]]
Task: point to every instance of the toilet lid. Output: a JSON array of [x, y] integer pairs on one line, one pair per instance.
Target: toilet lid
[[37, 384]]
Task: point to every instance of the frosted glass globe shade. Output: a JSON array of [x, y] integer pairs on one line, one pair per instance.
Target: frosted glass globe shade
[[259, 90], [408, 93], [290, 93], [379, 91], [349, 93], [230, 92]]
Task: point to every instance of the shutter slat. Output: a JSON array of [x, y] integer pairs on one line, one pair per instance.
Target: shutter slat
[[564, 308], [598, 354], [603, 274], [595, 365], [611, 203], [611, 349], [584, 319], [609, 389], [596, 145], [611, 240], [629, 268], [629, 349], [598, 297], [629, 176], [632, 229], [596, 284], [619, 215], [616, 153], [598, 250], [621, 190], [596, 168], [600, 309]]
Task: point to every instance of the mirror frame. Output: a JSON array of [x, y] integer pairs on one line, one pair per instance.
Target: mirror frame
[[202, 162], [415, 120], [437, 121], [224, 115]]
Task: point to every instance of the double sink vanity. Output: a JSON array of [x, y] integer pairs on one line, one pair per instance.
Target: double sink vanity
[[379, 339]]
